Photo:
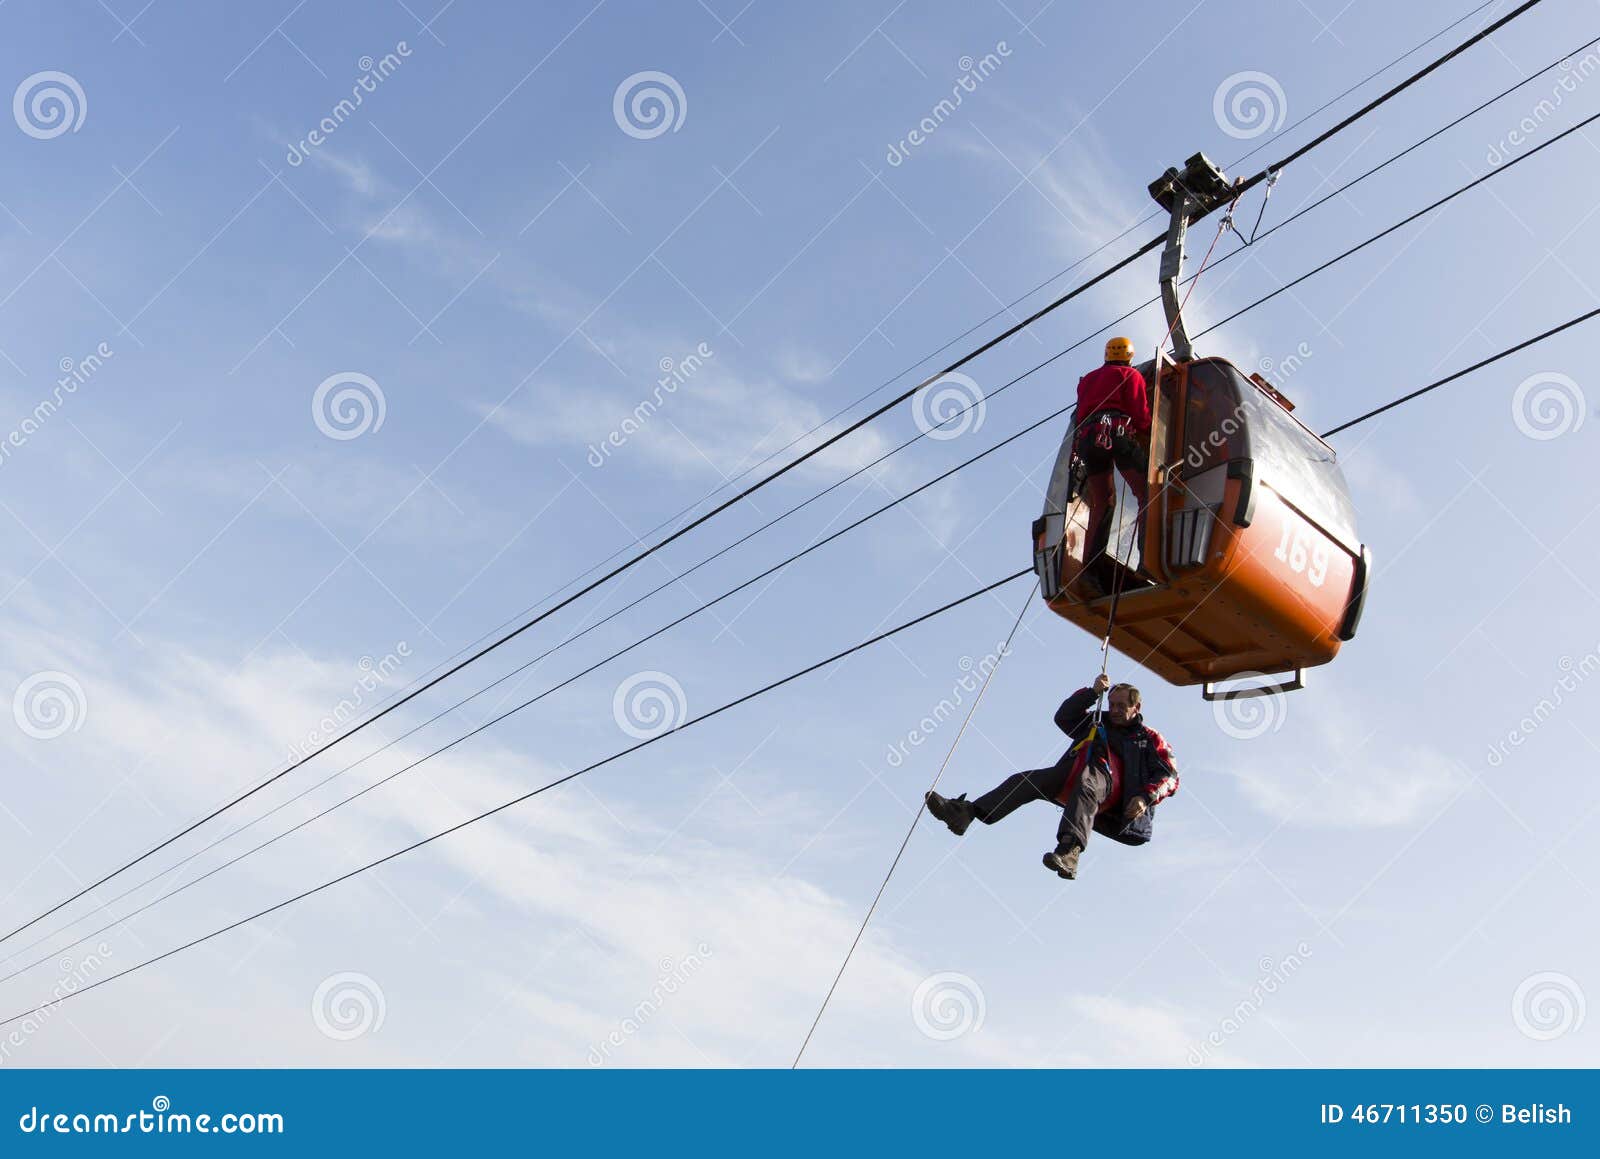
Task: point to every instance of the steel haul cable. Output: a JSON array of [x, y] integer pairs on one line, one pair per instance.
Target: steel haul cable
[[436, 752], [1191, 281], [773, 476], [1449, 378], [968, 332], [1019, 299], [504, 805]]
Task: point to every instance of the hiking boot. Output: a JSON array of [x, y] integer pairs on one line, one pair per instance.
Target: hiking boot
[[1063, 864], [955, 813]]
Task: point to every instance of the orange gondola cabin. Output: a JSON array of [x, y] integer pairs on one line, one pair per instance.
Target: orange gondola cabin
[[1248, 562]]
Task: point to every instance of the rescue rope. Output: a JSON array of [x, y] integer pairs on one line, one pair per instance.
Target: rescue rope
[[922, 805], [1119, 576]]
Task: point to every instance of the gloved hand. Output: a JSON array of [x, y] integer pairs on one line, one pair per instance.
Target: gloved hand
[[1135, 809]]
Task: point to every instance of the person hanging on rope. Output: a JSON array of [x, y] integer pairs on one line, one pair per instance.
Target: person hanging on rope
[[1113, 424], [1110, 780]]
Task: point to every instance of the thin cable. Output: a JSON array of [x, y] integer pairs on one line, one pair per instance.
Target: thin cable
[[1010, 306], [1449, 378], [1482, 34], [773, 476], [1371, 76], [540, 696], [343, 801], [1191, 280], [922, 804], [1507, 352], [905, 842], [1007, 308], [1017, 301], [504, 805], [1407, 220]]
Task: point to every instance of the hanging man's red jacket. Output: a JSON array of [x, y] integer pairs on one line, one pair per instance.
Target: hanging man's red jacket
[[1114, 387], [1138, 757]]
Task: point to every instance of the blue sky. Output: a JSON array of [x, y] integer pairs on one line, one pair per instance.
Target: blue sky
[[206, 573]]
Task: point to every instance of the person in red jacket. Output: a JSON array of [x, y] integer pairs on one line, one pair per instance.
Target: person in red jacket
[[1113, 425], [1109, 781]]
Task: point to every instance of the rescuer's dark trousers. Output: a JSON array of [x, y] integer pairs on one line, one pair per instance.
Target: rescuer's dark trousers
[[1077, 819], [1099, 492], [1130, 461]]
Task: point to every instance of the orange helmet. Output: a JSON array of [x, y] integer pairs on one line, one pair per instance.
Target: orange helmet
[[1119, 350]]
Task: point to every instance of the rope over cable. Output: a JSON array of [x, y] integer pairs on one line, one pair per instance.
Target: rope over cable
[[922, 804]]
